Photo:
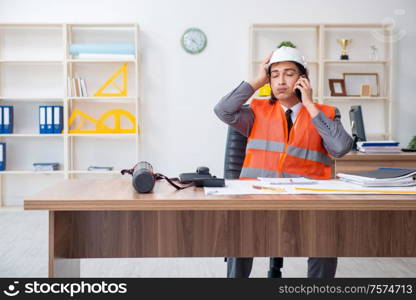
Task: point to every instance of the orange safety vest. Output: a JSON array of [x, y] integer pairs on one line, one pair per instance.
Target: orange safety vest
[[270, 153]]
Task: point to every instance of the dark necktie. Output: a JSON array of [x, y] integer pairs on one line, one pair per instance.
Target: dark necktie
[[289, 121]]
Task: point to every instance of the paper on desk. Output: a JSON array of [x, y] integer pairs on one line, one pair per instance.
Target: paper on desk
[[296, 180], [234, 187], [246, 187], [335, 186]]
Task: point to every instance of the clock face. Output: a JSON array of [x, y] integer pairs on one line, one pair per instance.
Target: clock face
[[194, 41]]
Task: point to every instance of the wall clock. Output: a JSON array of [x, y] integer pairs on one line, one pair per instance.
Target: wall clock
[[194, 40]]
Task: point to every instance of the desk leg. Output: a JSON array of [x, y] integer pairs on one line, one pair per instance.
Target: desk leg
[[58, 266]]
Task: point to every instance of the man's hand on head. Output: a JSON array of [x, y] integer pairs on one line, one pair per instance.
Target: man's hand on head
[[262, 76]]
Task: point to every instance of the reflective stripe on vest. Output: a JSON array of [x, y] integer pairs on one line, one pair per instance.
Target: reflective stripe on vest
[[254, 173], [288, 175], [265, 145], [309, 155], [291, 150]]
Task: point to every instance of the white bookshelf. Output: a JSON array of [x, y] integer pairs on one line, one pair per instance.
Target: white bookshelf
[[318, 44], [35, 63]]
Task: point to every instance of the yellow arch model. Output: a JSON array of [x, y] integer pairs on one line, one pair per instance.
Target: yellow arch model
[[100, 126]]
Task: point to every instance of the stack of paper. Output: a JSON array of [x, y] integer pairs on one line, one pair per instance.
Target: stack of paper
[[378, 147], [117, 51], [386, 177], [105, 56]]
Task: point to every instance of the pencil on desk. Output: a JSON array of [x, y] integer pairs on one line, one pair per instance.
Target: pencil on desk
[[268, 189]]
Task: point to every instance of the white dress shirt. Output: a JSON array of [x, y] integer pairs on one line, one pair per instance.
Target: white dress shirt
[[295, 110]]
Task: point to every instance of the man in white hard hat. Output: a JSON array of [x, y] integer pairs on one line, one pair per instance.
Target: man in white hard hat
[[288, 135]]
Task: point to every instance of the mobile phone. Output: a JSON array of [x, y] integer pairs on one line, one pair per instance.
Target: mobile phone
[[298, 94]]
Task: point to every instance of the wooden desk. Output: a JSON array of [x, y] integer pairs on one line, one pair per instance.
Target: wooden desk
[[107, 218], [358, 161]]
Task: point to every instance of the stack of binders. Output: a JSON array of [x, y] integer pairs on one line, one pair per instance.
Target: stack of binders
[[379, 147], [50, 119], [6, 119], [2, 156]]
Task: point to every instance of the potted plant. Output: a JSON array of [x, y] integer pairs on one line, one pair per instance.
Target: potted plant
[[412, 144], [287, 44]]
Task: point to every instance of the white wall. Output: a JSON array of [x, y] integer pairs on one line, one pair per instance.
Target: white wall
[[179, 128]]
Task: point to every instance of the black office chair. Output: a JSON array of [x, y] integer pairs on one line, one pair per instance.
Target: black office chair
[[235, 151]]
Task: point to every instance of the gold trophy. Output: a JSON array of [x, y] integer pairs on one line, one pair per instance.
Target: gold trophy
[[344, 43]]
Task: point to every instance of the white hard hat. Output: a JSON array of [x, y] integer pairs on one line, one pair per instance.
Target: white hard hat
[[287, 54]]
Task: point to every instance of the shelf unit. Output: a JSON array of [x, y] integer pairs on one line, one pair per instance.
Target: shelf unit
[[35, 63], [318, 44]]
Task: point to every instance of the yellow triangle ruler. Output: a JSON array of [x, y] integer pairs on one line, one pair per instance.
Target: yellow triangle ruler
[[122, 71]]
